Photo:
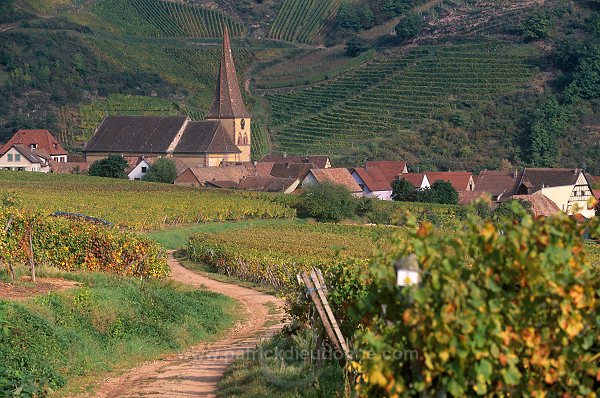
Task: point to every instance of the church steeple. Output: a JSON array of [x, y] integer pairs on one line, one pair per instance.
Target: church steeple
[[228, 103]]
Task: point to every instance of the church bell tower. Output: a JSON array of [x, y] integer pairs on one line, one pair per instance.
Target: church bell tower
[[228, 106]]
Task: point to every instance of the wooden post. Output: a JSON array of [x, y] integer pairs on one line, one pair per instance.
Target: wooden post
[[8, 264], [31, 262], [321, 311], [320, 289]]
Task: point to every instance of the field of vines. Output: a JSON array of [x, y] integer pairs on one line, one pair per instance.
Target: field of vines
[[135, 205], [395, 92], [91, 115], [76, 245], [303, 21], [156, 18], [273, 254], [195, 69]]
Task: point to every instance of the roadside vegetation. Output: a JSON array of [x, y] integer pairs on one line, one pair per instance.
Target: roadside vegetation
[[63, 341]]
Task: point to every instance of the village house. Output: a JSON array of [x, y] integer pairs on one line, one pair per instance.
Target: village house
[[337, 176], [40, 142], [461, 180], [372, 183], [390, 169], [225, 135], [567, 188], [500, 185], [200, 176], [418, 180], [18, 157], [139, 167]]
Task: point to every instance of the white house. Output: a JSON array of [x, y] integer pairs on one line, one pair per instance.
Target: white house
[[419, 181], [373, 183], [41, 142], [21, 158], [140, 170], [567, 188]]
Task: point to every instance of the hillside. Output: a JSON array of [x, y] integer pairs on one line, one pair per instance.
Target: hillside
[[474, 88]]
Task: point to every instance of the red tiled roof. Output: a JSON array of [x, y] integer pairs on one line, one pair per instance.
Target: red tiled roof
[[540, 204], [336, 176], [468, 197], [458, 179], [373, 179], [497, 182], [69, 167], [416, 179], [291, 170], [220, 173], [43, 138], [267, 184], [596, 193], [389, 168], [228, 97]]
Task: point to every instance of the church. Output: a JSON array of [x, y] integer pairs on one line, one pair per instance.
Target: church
[[223, 137]]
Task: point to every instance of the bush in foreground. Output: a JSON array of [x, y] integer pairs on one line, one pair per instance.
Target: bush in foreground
[[505, 309], [328, 202]]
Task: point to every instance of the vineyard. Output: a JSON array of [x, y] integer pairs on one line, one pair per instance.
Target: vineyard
[[393, 93], [273, 254], [76, 246], [155, 18], [303, 21], [133, 204]]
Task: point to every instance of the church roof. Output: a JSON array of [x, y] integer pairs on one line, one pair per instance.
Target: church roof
[[136, 134], [206, 137], [228, 102]]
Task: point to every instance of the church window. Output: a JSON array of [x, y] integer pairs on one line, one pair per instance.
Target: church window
[[243, 123], [245, 139], [239, 140]]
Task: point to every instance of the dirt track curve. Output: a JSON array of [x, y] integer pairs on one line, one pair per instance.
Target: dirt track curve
[[196, 372]]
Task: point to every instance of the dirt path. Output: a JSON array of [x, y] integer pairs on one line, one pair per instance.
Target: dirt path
[[196, 372]]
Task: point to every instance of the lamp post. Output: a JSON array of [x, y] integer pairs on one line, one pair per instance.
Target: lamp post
[[407, 271]]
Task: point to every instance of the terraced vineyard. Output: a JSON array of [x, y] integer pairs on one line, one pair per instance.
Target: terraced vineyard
[[304, 21], [395, 92], [91, 115], [193, 68], [155, 18]]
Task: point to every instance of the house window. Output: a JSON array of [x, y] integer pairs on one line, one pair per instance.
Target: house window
[[144, 169], [17, 157], [33, 146], [10, 157]]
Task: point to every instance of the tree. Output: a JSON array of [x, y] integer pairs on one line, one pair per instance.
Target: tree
[[163, 170], [546, 126], [506, 210], [347, 18], [443, 192], [403, 191], [536, 27], [328, 202], [586, 79], [113, 166], [355, 46], [410, 26]]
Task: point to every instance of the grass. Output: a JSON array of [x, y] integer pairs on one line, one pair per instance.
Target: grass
[[177, 238], [281, 368], [70, 339]]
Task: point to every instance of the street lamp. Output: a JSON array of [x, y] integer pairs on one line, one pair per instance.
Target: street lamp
[[407, 271]]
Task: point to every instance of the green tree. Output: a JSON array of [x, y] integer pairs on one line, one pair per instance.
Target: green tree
[[536, 27], [443, 192], [410, 26], [403, 191], [546, 127], [496, 313], [506, 210], [113, 166], [328, 202], [355, 46], [586, 78], [347, 17], [163, 170]]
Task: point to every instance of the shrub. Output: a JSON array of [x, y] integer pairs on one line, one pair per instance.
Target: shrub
[[506, 210], [536, 27], [328, 202], [163, 170], [410, 27], [403, 191], [113, 167], [355, 46], [501, 310]]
